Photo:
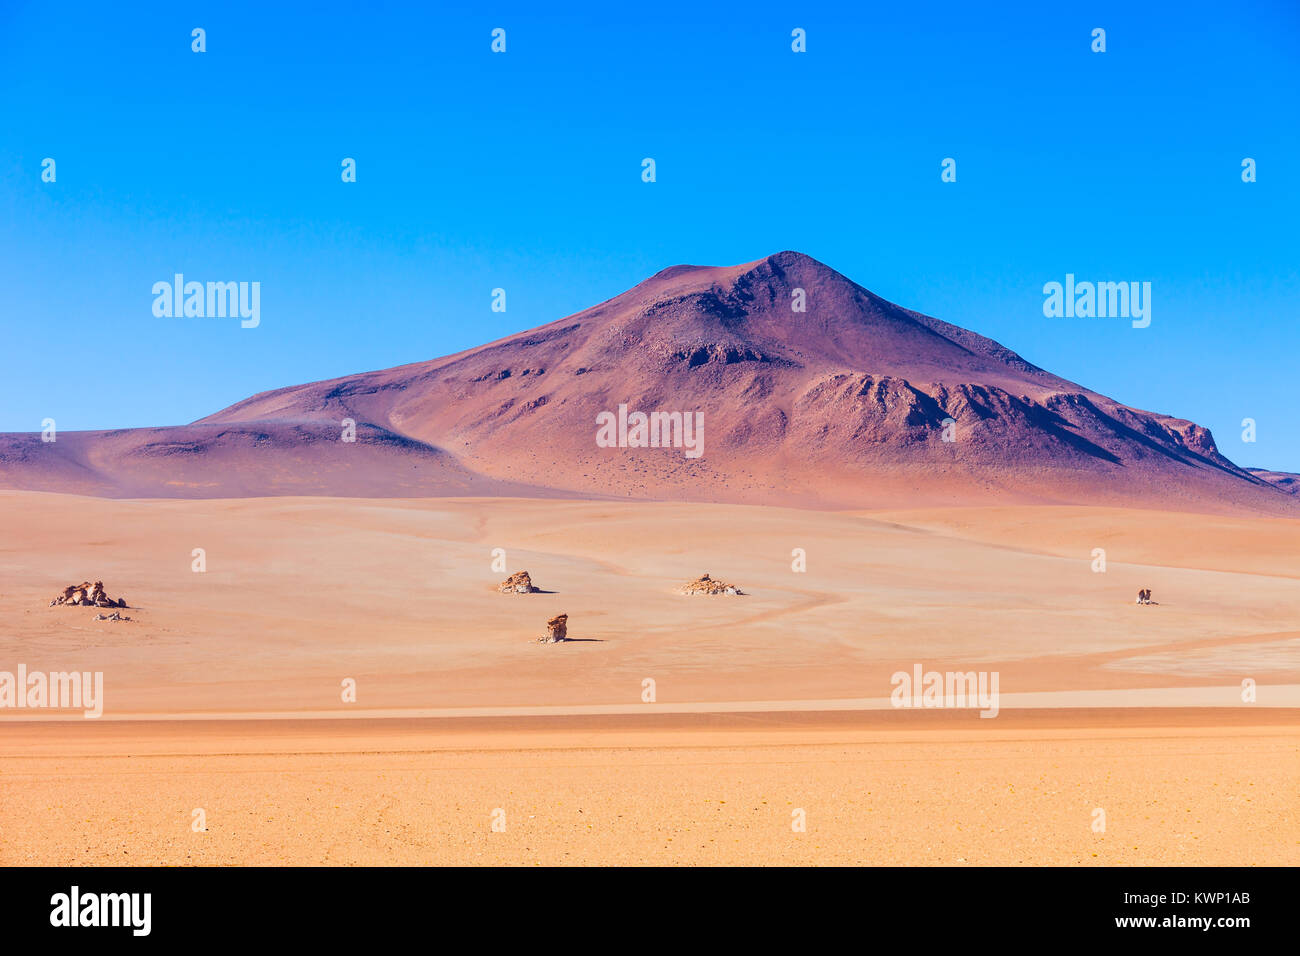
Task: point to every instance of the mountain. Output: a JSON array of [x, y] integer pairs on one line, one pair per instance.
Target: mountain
[[846, 404], [1285, 480]]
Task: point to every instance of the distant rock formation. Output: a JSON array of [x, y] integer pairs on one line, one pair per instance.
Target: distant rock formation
[[518, 583], [707, 585], [86, 594], [557, 630]]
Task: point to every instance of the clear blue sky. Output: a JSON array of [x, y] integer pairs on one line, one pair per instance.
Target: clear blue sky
[[523, 170]]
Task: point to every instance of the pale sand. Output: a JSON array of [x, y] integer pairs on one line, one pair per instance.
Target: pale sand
[[300, 594], [399, 595], [1203, 788]]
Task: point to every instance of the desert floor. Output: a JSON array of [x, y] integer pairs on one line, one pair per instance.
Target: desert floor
[[224, 691]]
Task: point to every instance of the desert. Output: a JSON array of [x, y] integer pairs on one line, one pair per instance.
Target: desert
[[224, 693], [319, 665]]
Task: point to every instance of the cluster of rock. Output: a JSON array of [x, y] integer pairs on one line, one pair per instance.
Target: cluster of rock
[[518, 583], [115, 616], [521, 583], [86, 594], [707, 585], [557, 630]]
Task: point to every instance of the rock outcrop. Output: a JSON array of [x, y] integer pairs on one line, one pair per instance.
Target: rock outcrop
[[518, 583], [557, 630], [115, 616], [86, 594], [707, 585]]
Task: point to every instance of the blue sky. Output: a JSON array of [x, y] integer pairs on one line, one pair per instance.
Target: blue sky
[[523, 171]]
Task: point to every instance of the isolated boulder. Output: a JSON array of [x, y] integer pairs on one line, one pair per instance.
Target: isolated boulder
[[86, 594], [517, 583], [707, 585], [557, 630]]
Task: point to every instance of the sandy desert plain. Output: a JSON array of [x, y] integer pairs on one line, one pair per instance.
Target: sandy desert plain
[[223, 691], [865, 543]]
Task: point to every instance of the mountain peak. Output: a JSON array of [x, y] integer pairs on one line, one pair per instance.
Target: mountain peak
[[779, 264], [808, 388], [790, 269], [789, 259]]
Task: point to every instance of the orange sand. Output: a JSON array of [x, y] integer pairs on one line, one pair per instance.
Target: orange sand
[[300, 594]]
